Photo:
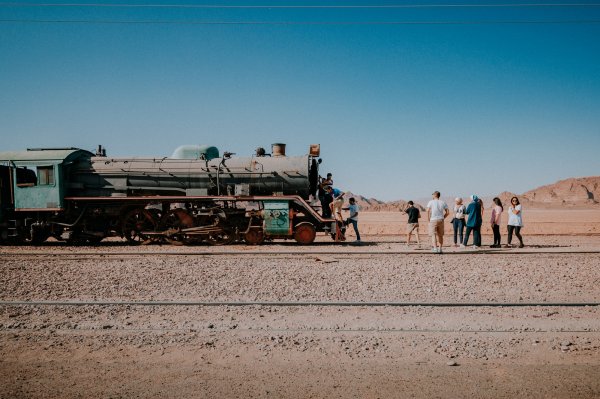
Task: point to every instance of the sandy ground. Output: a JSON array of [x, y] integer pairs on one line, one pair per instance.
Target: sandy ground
[[546, 222], [123, 349]]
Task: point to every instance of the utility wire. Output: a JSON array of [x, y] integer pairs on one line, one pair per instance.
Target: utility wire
[[173, 22], [383, 6]]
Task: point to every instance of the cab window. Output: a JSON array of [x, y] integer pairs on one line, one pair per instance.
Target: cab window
[[45, 175], [26, 177]]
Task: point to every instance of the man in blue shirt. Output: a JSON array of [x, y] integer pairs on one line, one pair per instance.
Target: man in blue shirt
[[337, 203]]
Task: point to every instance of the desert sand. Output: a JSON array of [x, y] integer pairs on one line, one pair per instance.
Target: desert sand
[[545, 222], [134, 341]]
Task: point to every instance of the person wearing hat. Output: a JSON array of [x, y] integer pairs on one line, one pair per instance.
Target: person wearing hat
[[437, 211], [474, 222]]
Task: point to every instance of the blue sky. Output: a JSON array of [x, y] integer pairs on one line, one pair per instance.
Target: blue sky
[[399, 110]]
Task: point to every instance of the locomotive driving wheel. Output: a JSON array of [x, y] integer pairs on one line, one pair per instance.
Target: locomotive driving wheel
[[225, 236], [173, 221], [305, 233], [254, 237], [135, 223]]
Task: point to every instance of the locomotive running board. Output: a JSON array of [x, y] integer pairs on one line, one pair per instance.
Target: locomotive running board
[[156, 198]]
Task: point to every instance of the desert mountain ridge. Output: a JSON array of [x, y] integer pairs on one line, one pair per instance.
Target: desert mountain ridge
[[375, 205], [572, 192], [575, 192]]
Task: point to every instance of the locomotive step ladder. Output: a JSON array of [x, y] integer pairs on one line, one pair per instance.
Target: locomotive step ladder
[[12, 228]]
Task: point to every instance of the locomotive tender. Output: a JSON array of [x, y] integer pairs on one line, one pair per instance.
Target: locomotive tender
[[194, 196]]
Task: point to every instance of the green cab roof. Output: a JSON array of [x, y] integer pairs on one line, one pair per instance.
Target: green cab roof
[[44, 154]]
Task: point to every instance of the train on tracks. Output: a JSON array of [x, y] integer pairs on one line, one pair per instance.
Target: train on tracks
[[195, 196]]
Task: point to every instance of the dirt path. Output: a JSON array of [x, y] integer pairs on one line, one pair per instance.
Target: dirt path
[[300, 351]]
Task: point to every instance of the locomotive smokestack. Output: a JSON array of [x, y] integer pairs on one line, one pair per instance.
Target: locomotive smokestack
[[101, 151], [278, 149]]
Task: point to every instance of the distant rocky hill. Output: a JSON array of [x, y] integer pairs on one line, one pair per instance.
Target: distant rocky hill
[[375, 205], [364, 202], [392, 206], [573, 192], [581, 192]]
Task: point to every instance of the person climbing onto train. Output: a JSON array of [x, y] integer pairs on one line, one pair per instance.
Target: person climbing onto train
[[324, 196], [337, 202], [474, 222], [353, 219], [336, 209]]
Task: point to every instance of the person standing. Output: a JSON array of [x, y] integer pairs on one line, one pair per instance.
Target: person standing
[[353, 219], [413, 222], [437, 211], [474, 222], [458, 222], [515, 221], [497, 209]]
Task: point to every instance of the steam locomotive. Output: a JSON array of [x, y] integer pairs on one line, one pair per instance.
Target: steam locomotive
[[195, 196]]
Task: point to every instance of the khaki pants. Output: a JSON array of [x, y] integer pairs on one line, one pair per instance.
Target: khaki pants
[[436, 227], [411, 227], [436, 231], [337, 207]]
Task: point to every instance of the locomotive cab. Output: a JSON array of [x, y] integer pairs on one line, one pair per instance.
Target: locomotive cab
[[32, 190], [35, 177]]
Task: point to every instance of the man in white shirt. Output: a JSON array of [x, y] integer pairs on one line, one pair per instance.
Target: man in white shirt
[[437, 210]]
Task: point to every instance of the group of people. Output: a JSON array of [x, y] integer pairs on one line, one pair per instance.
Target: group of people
[[466, 220], [332, 202]]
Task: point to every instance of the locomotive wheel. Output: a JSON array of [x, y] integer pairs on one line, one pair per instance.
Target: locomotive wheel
[[305, 233], [254, 237], [222, 238], [135, 223], [176, 219]]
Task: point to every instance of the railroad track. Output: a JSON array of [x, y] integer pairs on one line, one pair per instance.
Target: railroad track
[[298, 303], [295, 253], [265, 328], [64, 329]]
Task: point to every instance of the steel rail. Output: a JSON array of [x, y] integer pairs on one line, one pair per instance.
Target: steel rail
[[298, 253], [298, 303], [295, 330]]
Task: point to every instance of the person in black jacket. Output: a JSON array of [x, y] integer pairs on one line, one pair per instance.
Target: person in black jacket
[[413, 222]]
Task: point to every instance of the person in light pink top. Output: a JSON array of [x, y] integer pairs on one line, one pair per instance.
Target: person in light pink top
[[497, 209]]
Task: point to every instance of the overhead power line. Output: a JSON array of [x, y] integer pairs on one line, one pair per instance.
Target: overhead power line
[[175, 22], [266, 6]]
